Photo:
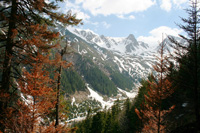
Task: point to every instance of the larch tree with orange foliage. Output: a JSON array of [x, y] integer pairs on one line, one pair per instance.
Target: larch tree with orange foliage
[[160, 88], [25, 58], [23, 31], [38, 97]]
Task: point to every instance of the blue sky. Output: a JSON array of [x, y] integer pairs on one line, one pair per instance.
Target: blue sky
[[145, 19]]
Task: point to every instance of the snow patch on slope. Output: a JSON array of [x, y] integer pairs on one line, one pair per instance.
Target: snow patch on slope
[[111, 101], [99, 98], [70, 122], [120, 63], [73, 101], [128, 94]]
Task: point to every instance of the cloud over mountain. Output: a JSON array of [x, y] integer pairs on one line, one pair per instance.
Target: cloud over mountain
[[116, 7], [156, 35], [166, 5]]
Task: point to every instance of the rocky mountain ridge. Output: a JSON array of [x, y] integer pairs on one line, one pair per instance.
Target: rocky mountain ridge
[[130, 56], [124, 45]]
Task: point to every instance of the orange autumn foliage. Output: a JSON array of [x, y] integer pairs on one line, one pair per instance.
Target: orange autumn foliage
[[27, 35], [152, 114], [37, 100], [24, 30]]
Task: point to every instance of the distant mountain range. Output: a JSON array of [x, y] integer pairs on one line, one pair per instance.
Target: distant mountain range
[[112, 67]]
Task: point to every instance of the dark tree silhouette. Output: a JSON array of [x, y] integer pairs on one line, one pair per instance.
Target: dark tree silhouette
[[189, 53]]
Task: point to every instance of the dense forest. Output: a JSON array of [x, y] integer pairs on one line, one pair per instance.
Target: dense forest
[[33, 78]]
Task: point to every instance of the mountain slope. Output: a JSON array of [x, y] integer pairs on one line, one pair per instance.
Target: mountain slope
[[114, 56]]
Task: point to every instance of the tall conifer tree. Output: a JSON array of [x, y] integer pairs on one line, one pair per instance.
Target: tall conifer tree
[[160, 88], [190, 54]]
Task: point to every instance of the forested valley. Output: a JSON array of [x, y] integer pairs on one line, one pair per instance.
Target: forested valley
[[36, 77]]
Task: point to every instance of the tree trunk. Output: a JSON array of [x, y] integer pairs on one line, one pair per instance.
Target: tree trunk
[[5, 83], [58, 96], [196, 99], [9, 46]]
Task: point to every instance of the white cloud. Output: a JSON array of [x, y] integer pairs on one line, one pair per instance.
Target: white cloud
[[82, 15], [121, 16], [70, 5], [166, 5], [179, 2], [76, 10], [131, 17], [156, 35], [106, 25], [124, 17], [95, 23], [102, 24], [79, 1], [116, 7]]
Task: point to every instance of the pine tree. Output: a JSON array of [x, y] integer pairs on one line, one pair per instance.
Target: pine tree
[[109, 123], [98, 123], [188, 55], [160, 88], [124, 120]]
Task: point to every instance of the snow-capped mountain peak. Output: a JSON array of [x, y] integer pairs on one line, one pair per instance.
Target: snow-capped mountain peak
[[123, 45], [131, 37]]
